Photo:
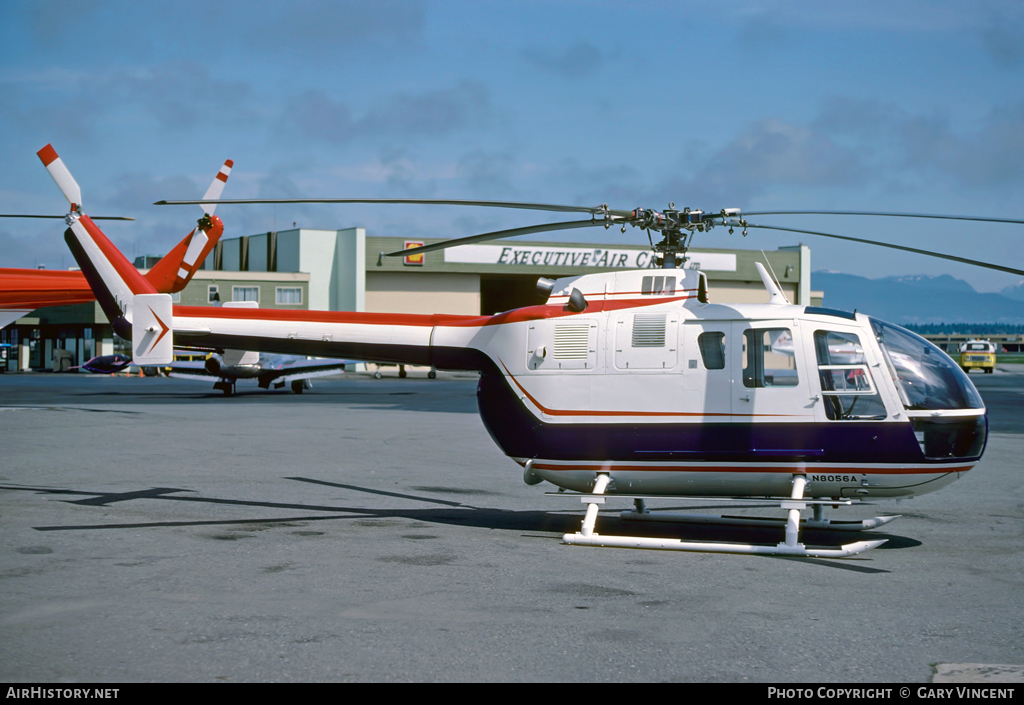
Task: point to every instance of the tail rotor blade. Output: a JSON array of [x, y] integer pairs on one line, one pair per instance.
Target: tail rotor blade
[[217, 187], [65, 181]]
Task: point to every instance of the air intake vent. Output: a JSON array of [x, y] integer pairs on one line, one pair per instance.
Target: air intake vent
[[572, 340], [649, 330]]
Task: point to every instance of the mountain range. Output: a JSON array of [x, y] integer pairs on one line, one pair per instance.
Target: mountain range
[[918, 299]]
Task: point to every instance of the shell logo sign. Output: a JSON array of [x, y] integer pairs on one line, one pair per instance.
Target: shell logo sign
[[416, 260]]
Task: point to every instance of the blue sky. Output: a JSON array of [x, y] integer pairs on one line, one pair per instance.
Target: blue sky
[[909, 106]]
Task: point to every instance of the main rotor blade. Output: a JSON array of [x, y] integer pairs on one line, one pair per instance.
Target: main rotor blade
[[497, 235], [891, 215], [91, 217], [413, 201], [954, 258]]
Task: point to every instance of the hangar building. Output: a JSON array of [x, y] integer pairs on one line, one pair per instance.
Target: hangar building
[[347, 271]]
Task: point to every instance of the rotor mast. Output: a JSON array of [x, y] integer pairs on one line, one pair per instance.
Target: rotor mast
[[677, 228]]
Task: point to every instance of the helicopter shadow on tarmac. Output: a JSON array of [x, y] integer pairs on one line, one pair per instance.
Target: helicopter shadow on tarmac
[[450, 396], [531, 523]]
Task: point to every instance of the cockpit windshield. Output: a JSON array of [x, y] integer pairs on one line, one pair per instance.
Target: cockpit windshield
[[927, 377]]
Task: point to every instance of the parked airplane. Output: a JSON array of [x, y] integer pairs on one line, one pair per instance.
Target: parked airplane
[[268, 370], [105, 364]]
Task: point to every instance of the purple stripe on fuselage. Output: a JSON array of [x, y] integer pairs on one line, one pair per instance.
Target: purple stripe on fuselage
[[520, 434]]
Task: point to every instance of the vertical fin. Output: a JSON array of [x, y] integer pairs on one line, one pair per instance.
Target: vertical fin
[[152, 337]]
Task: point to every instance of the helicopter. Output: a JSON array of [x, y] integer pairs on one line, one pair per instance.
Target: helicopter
[[633, 384], [24, 290]]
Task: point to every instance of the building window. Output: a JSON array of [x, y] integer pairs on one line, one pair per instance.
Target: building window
[[245, 293], [212, 294], [289, 296]]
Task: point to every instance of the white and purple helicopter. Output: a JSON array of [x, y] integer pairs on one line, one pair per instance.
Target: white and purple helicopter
[[632, 384]]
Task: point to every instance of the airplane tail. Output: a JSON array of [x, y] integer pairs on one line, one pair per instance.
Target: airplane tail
[[172, 273], [136, 310]]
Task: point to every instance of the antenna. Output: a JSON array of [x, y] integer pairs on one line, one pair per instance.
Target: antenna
[[778, 284]]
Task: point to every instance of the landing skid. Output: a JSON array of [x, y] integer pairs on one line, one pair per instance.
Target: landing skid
[[825, 524], [790, 547]]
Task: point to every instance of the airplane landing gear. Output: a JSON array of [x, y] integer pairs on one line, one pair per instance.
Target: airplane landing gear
[[225, 386]]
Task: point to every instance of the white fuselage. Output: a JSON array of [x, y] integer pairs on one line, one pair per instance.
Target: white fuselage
[[666, 394]]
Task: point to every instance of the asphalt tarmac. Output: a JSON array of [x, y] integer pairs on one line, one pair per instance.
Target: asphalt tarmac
[[370, 530]]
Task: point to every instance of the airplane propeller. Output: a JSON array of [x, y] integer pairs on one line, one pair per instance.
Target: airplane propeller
[[676, 226]]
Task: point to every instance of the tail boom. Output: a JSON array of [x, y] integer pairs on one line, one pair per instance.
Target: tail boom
[[393, 338], [113, 279]]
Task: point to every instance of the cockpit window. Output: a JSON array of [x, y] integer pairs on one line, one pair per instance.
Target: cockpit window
[[927, 378], [845, 377]]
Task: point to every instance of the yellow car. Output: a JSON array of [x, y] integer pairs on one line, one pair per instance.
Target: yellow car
[[978, 354]]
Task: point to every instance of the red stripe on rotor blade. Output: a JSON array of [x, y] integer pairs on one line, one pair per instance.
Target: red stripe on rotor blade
[[222, 176], [228, 163], [48, 155]]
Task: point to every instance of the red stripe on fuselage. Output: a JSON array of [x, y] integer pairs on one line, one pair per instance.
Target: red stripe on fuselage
[[545, 311], [529, 313], [594, 412], [371, 319]]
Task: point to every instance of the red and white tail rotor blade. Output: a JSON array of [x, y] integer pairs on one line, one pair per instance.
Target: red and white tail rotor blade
[[217, 187], [65, 181], [198, 244]]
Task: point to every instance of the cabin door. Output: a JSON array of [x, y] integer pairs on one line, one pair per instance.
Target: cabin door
[[770, 378]]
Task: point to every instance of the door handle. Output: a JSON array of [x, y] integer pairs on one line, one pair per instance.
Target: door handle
[[746, 398]]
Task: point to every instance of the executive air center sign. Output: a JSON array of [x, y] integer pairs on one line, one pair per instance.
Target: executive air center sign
[[539, 256]]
